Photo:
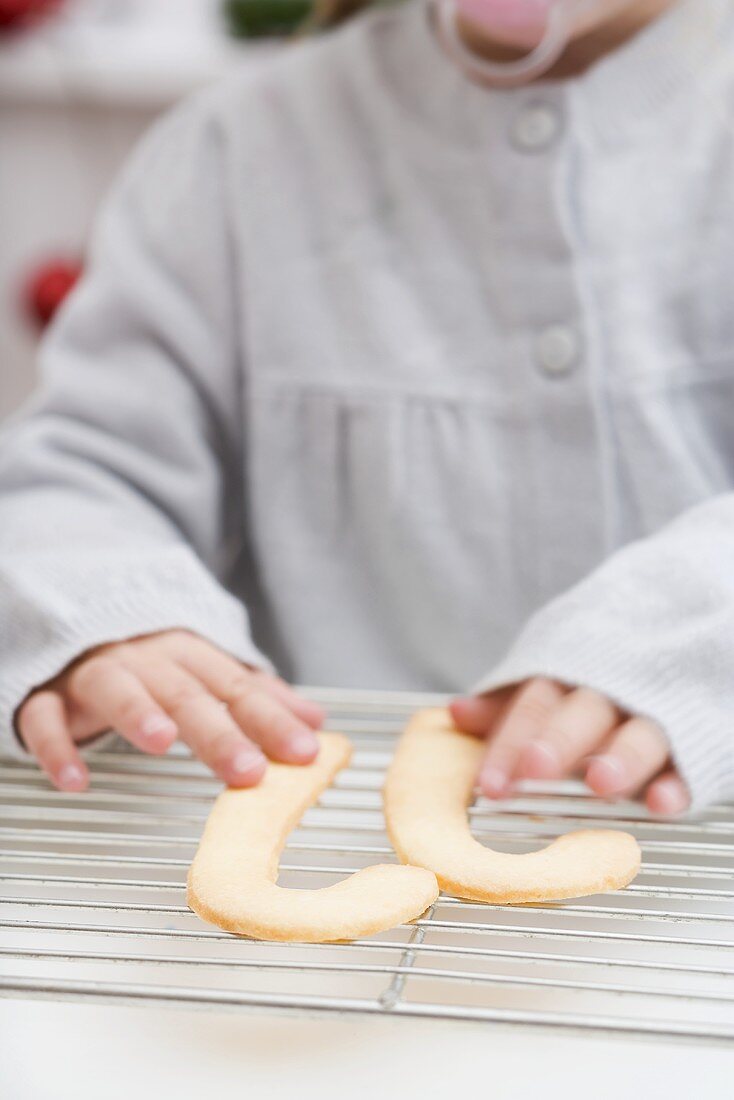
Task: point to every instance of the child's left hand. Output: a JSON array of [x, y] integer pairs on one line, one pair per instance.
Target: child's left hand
[[543, 730]]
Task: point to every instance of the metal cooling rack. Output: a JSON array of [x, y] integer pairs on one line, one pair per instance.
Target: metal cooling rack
[[92, 904]]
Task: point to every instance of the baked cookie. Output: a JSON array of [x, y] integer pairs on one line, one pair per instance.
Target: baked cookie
[[232, 881], [429, 787]]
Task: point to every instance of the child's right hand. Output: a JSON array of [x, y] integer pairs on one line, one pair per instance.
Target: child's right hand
[[159, 687]]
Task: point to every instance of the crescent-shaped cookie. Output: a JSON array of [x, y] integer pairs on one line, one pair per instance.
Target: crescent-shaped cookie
[[232, 881], [429, 787]]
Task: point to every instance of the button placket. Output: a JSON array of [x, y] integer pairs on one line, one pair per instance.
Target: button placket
[[538, 300]]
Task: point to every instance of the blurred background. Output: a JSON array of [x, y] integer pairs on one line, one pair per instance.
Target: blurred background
[[80, 80]]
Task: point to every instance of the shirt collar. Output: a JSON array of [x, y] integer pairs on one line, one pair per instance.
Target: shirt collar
[[615, 100], [660, 70]]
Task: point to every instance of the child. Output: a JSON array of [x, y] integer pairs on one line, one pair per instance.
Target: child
[[428, 365]]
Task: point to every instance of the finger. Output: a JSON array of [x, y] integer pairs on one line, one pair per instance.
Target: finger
[[667, 795], [635, 755], [219, 671], [305, 709], [45, 732], [260, 715], [112, 696], [205, 725], [272, 725], [477, 713], [526, 716], [577, 726]]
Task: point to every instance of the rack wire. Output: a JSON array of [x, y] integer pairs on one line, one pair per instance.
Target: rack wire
[[92, 904]]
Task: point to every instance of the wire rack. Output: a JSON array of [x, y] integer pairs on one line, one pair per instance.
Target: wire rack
[[93, 905]]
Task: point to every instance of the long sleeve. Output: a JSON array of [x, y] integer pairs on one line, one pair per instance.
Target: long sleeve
[[119, 486], [653, 629]]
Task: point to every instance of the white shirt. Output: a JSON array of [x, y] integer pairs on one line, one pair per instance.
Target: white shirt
[[401, 362]]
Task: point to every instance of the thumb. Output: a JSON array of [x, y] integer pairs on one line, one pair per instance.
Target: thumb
[[478, 713]]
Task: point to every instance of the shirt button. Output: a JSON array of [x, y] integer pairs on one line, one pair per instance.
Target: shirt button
[[536, 127], [558, 349]]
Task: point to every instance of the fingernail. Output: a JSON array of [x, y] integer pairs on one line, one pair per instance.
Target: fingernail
[[156, 724], [463, 707], [669, 799], [608, 772], [541, 761], [245, 762], [303, 745], [494, 783], [317, 716], [71, 778]]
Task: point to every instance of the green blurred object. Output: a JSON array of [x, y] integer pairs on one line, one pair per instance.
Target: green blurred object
[[265, 18]]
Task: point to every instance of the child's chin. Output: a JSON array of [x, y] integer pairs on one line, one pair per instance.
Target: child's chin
[[519, 23]]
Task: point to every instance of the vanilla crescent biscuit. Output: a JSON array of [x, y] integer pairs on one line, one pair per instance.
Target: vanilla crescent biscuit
[[232, 881], [429, 787]]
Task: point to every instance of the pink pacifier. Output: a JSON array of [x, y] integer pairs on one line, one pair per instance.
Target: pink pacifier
[[556, 16]]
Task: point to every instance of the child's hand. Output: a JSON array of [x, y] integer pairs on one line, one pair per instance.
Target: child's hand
[[542, 730], [160, 687]]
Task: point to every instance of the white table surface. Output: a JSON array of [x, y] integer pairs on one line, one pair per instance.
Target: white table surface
[[93, 1052]]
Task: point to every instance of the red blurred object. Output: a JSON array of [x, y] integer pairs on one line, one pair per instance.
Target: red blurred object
[[15, 14], [47, 288]]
